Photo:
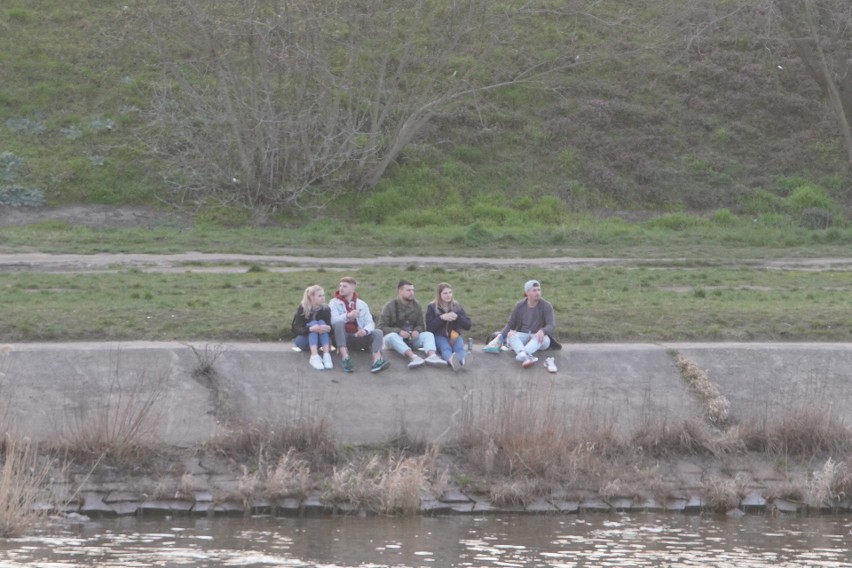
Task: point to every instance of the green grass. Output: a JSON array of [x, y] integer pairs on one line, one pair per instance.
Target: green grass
[[592, 304], [636, 123], [698, 239]]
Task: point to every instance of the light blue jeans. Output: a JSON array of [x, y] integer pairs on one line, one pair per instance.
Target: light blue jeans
[[426, 340], [305, 342], [523, 341], [446, 350]]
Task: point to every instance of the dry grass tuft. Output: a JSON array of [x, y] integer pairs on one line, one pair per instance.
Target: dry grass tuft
[[829, 485], [509, 492], [716, 406], [123, 429], [391, 485], [660, 439], [810, 429], [291, 477], [723, 494], [264, 442], [533, 433], [23, 484]]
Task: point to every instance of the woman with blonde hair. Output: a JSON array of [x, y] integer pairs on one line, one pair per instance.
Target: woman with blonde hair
[[446, 319], [312, 326]]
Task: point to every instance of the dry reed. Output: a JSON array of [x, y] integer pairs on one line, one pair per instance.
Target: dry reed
[[123, 428], [829, 485], [391, 485], [23, 485]]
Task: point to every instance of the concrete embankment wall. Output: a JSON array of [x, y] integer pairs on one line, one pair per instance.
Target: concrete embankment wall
[[53, 388], [53, 392]]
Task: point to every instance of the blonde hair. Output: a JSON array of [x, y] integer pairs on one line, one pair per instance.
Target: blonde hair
[[306, 298], [437, 301]]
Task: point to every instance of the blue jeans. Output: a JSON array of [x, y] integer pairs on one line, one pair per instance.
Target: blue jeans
[[426, 340], [305, 342], [446, 350], [523, 341]]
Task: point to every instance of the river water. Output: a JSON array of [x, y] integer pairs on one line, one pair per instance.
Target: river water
[[475, 541]]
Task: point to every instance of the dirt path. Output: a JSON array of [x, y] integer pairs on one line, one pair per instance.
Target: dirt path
[[105, 216], [225, 263]]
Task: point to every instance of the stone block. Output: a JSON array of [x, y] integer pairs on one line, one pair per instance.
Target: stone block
[[454, 496], [93, 503]]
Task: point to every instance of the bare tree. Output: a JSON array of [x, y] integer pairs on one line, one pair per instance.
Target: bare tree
[[266, 101], [821, 33]]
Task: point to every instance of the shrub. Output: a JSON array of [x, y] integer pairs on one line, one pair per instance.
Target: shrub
[[548, 210], [19, 196], [809, 196], [723, 218], [9, 164], [816, 218], [25, 126], [380, 205], [494, 213], [775, 220], [477, 235], [760, 202]]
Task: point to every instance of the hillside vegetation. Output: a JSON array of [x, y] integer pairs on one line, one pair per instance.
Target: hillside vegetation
[[415, 113]]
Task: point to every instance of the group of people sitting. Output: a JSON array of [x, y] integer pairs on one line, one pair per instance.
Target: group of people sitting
[[346, 322]]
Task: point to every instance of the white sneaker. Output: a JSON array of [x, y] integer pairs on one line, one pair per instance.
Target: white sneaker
[[326, 361], [415, 361], [522, 356], [550, 365], [454, 361], [316, 362], [433, 359]]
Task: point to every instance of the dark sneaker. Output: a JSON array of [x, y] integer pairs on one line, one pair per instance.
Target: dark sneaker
[[379, 365], [347, 365]]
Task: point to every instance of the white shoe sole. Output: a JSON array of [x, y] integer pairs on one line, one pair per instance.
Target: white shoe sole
[[454, 362]]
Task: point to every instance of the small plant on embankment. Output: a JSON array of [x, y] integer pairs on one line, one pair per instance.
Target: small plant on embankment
[[122, 430]]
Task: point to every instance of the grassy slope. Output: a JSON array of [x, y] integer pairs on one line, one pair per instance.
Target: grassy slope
[[641, 121]]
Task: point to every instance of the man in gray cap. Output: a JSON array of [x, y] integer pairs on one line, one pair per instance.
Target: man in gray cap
[[531, 326]]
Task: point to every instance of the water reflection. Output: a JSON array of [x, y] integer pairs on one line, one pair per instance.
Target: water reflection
[[514, 541]]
